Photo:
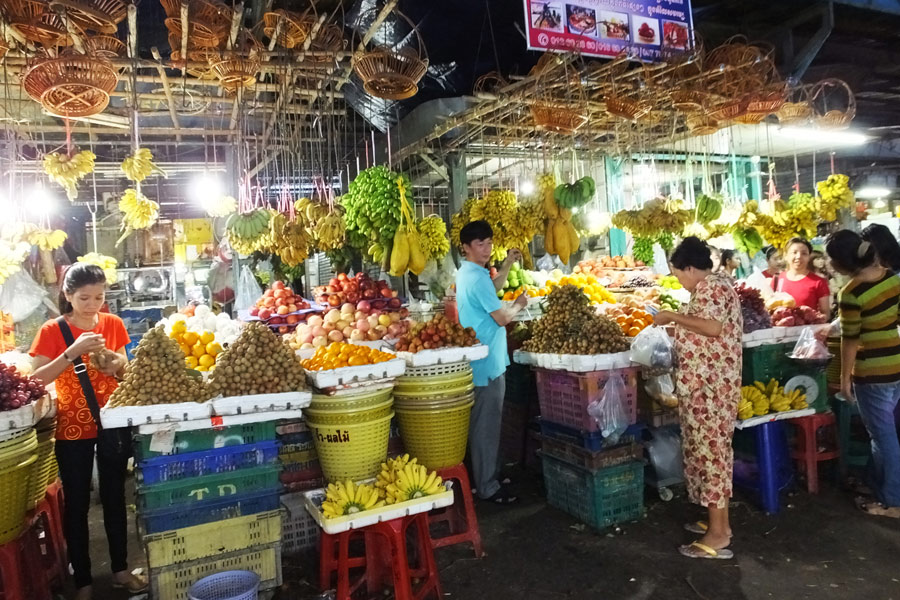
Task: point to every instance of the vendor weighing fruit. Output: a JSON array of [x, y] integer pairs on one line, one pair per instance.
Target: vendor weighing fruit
[[83, 352], [480, 309]]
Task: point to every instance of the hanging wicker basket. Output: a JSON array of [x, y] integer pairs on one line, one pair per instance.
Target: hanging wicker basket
[[195, 55], [105, 46], [25, 10], [489, 83], [294, 29], [238, 68], [330, 39], [201, 35], [627, 108], [700, 124], [796, 109], [390, 73], [101, 16], [215, 14], [833, 104], [71, 85], [687, 100], [557, 118], [47, 30]]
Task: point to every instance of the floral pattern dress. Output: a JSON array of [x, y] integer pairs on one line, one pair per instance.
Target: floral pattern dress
[[708, 385]]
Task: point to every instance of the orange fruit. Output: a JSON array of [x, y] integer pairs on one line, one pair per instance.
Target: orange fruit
[[185, 348], [207, 337], [633, 331], [198, 350], [190, 362], [190, 338], [207, 360], [213, 348]]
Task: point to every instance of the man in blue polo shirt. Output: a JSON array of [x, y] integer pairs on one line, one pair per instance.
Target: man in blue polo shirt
[[480, 309]]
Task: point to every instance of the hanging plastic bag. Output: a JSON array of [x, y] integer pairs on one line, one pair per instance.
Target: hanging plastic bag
[[609, 410], [652, 348], [248, 290], [760, 282], [810, 345], [662, 389], [20, 296]]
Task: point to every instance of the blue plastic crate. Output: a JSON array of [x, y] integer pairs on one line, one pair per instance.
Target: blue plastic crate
[[218, 509], [593, 441], [206, 462]]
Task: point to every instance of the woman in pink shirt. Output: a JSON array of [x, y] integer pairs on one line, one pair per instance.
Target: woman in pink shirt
[[805, 287]]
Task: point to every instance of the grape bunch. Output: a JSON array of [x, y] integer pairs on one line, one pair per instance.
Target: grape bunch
[[753, 308], [17, 390]]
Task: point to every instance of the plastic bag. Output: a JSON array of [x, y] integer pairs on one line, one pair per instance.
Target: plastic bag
[[439, 277], [761, 282], [248, 290], [652, 348], [20, 296], [811, 344], [662, 389], [609, 410]]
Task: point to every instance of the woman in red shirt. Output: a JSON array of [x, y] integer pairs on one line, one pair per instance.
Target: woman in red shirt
[[805, 287], [81, 296]]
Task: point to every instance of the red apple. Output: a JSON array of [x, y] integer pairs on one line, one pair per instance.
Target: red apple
[[265, 313], [282, 310], [334, 282], [369, 294], [387, 293], [277, 321], [280, 302], [394, 303], [284, 329], [342, 277], [269, 302], [254, 311], [364, 306], [292, 319], [292, 308], [334, 300], [330, 289], [269, 293], [404, 312], [352, 285], [278, 285], [352, 297], [322, 299]]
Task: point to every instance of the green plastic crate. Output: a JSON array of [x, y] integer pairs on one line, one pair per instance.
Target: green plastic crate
[[599, 498], [208, 487], [762, 363], [207, 439]]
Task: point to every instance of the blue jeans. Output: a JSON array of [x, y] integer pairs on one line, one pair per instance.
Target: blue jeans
[[877, 402]]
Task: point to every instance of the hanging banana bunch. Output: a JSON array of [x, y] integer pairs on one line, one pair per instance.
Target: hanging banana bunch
[[138, 212], [67, 170], [47, 240], [107, 263], [221, 207], [246, 230], [139, 166]]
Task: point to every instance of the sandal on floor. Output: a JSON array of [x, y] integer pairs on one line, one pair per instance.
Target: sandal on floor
[[698, 550], [873, 507], [699, 527], [135, 585], [503, 496]]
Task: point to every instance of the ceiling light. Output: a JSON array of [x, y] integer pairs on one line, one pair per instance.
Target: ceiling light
[[824, 136], [527, 188], [872, 193], [206, 188], [40, 201]]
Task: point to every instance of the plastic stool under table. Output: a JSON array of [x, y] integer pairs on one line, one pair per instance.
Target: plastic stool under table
[[460, 516]]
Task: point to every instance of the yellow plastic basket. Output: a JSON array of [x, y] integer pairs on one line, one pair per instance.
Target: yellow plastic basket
[[12, 449], [436, 437], [14, 496], [42, 469], [351, 451], [350, 402], [350, 416]]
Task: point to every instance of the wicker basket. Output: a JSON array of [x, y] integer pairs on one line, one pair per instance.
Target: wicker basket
[[202, 35], [557, 118], [762, 104], [329, 39], [627, 108], [388, 74], [700, 124], [201, 55], [828, 111], [727, 109], [105, 46], [238, 68], [71, 85], [489, 83], [101, 16], [47, 31], [294, 29], [215, 14], [687, 100], [4, 48], [25, 10]]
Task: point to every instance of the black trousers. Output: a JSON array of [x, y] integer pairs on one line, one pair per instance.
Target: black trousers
[[76, 463]]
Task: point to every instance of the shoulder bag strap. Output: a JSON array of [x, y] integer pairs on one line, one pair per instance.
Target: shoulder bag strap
[[81, 371]]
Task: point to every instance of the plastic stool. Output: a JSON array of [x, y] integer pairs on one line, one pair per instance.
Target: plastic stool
[[460, 517], [385, 560], [806, 452], [56, 503], [50, 542], [773, 471], [853, 453], [21, 573]]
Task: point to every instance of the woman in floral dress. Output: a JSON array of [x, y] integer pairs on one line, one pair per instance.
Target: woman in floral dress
[[708, 384]]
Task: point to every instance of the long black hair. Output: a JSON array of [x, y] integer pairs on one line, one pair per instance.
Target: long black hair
[[886, 246], [77, 276], [849, 252]]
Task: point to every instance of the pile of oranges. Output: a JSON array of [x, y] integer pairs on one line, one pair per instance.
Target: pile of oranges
[[339, 354], [631, 320], [200, 349]]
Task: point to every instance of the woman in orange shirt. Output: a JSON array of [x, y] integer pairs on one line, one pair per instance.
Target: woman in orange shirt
[[81, 296]]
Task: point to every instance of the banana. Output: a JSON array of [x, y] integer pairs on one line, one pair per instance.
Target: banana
[[140, 165], [68, 171]]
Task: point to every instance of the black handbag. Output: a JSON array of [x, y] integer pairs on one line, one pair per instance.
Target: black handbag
[[111, 442]]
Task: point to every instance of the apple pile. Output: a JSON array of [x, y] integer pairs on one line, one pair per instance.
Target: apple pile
[[17, 390], [344, 289], [439, 332], [794, 316], [277, 305], [351, 323]]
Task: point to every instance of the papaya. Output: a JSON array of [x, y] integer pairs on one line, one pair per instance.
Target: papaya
[[574, 241], [400, 253], [565, 214], [551, 208], [549, 243], [561, 240], [416, 255]]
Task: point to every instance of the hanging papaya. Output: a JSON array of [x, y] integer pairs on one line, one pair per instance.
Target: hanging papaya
[[400, 253], [561, 239], [550, 205], [574, 241], [565, 214], [416, 255], [549, 243]]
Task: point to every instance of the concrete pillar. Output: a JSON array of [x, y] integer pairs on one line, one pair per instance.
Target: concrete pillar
[[459, 182]]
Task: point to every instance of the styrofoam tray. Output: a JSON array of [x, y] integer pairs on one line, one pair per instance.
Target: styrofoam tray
[[314, 498], [576, 363], [778, 416], [237, 405], [18, 418], [221, 421], [761, 336], [126, 416], [346, 375], [444, 356]]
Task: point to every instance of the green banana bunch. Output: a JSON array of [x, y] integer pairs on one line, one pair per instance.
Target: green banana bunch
[[708, 209], [572, 195]]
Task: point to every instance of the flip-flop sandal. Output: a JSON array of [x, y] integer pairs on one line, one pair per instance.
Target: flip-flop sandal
[[873, 507], [698, 550], [699, 527], [503, 497], [135, 586]]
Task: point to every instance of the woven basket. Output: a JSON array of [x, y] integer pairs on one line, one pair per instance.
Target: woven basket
[[236, 72], [700, 124], [215, 14], [627, 108], [47, 30], [294, 29], [329, 39], [827, 111], [557, 118], [201, 55], [200, 34], [105, 46], [101, 16], [489, 83], [388, 74], [687, 100], [71, 85], [4, 48], [25, 10], [727, 109]]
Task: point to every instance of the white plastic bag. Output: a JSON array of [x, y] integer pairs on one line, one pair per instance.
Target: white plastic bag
[[20, 296], [761, 282], [652, 348], [810, 345], [609, 410], [662, 389], [248, 290]]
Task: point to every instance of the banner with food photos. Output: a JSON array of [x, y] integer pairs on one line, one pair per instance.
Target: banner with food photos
[[648, 29]]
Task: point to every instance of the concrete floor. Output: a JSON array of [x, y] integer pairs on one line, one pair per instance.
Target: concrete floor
[[817, 547]]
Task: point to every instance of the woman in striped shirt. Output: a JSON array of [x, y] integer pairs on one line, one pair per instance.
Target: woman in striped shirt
[[870, 358]]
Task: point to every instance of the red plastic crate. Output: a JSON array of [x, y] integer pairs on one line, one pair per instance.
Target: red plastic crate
[[564, 397]]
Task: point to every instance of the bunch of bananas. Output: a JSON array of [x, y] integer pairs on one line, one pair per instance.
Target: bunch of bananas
[[495, 207], [747, 217], [389, 469], [12, 254], [747, 240], [138, 211], [655, 217], [834, 194], [8, 268], [459, 220], [761, 398], [433, 236], [347, 498], [341, 258], [780, 221], [643, 250], [708, 209], [221, 206], [47, 240], [68, 171], [412, 481], [107, 263], [571, 195], [245, 230], [372, 205], [290, 240], [139, 166]]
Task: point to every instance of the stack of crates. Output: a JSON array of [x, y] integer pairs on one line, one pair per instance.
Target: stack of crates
[[211, 504], [300, 471], [598, 483], [520, 405]]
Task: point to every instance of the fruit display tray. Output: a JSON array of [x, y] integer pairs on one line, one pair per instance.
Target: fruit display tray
[[17, 418], [444, 356], [217, 421], [314, 499], [238, 405], [127, 416], [576, 363], [778, 416], [347, 375]]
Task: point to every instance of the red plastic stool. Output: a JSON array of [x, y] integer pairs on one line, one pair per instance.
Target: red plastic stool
[[56, 502], [806, 451], [461, 515], [47, 528], [21, 574], [385, 560]]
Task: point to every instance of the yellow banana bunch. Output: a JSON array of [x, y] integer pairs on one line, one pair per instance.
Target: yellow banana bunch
[[68, 171], [46, 239], [221, 207], [347, 498], [330, 231], [138, 211], [107, 263], [411, 482], [389, 469], [8, 268], [140, 166], [433, 237], [834, 194], [459, 220], [245, 230]]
